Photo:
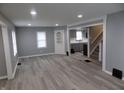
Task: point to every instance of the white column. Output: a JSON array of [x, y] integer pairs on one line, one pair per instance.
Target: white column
[[104, 44], [7, 51], [68, 40], [88, 42], [100, 51]]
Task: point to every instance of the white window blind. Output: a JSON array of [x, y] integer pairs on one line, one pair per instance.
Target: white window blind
[[14, 43], [41, 39], [79, 35]]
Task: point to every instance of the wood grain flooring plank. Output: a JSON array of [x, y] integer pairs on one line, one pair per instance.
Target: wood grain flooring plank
[[60, 72]]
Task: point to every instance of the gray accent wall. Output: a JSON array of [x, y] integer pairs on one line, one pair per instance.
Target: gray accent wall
[[10, 28], [72, 33], [115, 41], [27, 40]]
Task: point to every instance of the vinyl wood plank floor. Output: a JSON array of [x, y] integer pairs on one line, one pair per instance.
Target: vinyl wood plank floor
[[59, 72]]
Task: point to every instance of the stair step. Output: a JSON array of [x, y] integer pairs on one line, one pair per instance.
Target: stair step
[[97, 49], [95, 52], [96, 58]]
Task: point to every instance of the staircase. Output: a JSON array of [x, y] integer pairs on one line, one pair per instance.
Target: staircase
[[95, 54], [94, 44]]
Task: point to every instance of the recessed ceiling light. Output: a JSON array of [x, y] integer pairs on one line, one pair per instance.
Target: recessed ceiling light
[[80, 16], [57, 24], [33, 12], [29, 24]]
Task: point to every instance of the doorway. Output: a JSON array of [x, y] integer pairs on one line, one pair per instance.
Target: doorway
[[79, 40], [87, 46], [6, 52], [59, 42]]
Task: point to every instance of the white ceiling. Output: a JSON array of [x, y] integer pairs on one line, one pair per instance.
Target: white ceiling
[[51, 14]]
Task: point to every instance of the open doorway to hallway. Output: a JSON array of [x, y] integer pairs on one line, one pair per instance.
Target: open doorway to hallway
[[79, 41], [88, 41]]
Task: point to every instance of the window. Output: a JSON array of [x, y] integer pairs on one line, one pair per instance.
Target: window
[[14, 43], [79, 35], [41, 39]]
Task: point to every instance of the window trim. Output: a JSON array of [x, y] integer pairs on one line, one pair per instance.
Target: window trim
[[41, 40]]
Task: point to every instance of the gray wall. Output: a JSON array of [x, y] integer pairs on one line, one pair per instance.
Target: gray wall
[[27, 40], [72, 33], [10, 28], [115, 41]]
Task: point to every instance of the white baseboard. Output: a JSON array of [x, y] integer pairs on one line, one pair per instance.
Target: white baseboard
[[36, 55], [110, 73], [14, 72], [60, 54], [3, 77]]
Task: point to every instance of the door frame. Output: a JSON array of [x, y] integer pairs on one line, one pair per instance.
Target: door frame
[[104, 18], [6, 49], [63, 40], [68, 40], [88, 44]]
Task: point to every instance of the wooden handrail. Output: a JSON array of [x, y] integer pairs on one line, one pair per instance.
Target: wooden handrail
[[96, 43], [96, 37]]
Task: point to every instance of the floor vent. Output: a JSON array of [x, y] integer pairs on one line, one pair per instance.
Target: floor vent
[[19, 64], [117, 73], [87, 61]]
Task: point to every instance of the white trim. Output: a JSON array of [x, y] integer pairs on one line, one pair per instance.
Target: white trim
[[108, 72], [68, 40], [39, 46], [88, 43], [92, 24], [3, 77], [64, 53], [100, 51], [6, 50], [104, 44], [87, 21], [36, 55], [14, 72]]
